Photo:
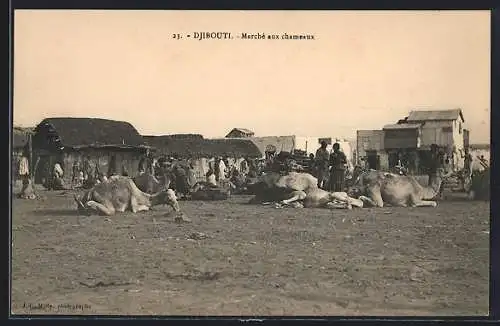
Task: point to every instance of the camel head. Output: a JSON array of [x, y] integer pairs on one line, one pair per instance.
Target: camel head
[[355, 191], [357, 185], [166, 197], [268, 180]]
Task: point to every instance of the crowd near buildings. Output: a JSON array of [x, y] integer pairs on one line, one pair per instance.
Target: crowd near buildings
[[76, 149]]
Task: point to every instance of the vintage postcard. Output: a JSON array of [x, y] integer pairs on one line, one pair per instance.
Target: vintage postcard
[[251, 163]]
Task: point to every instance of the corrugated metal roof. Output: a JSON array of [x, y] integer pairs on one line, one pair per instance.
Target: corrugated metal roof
[[243, 130], [435, 115], [402, 126]]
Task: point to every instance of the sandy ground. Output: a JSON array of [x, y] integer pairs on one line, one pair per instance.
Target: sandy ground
[[250, 260]]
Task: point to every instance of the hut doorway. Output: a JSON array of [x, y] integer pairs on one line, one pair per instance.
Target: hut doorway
[[373, 160], [43, 169]]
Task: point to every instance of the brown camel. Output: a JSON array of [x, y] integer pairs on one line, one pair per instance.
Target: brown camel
[[376, 188], [119, 194], [299, 187]]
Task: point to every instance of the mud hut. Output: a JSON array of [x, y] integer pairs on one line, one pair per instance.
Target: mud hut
[[200, 150], [72, 139]]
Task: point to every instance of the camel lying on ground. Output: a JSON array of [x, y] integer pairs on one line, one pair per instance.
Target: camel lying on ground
[[119, 194], [299, 187], [377, 188]]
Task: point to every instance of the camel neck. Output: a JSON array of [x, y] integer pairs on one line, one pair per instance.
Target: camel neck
[[431, 191]]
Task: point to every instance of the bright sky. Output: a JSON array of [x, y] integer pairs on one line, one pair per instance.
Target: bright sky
[[363, 70]]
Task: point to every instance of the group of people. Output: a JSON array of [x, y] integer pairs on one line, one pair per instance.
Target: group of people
[[221, 172], [330, 168]]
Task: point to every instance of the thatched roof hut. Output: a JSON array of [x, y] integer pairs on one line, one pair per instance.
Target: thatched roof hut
[[111, 145], [194, 146], [87, 132]]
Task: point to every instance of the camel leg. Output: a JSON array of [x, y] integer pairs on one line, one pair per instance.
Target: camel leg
[[79, 203], [356, 202], [106, 210], [375, 196], [367, 201], [343, 196], [296, 195], [142, 208], [134, 205], [425, 203]]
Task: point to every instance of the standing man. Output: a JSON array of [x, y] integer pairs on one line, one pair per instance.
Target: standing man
[[221, 170], [244, 168], [433, 163], [24, 170], [142, 165], [86, 167], [468, 162], [113, 166], [321, 159], [436, 163], [150, 163], [76, 172], [146, 164], [338, 161]]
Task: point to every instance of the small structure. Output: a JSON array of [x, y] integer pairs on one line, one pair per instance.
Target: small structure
[[240, 133], [402, 142], [441, 127], [410, 139], [200, 150], [73, 139], [370, 147], [444, 128], [275, 143]]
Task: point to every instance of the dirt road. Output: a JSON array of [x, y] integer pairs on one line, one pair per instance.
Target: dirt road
[[251, 260]]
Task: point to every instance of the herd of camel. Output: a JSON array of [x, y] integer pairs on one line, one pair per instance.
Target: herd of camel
[[370, 188]]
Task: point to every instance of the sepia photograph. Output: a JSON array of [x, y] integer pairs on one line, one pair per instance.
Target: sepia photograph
[[250, 163]]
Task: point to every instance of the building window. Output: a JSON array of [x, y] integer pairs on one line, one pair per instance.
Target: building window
[[460, 128]]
